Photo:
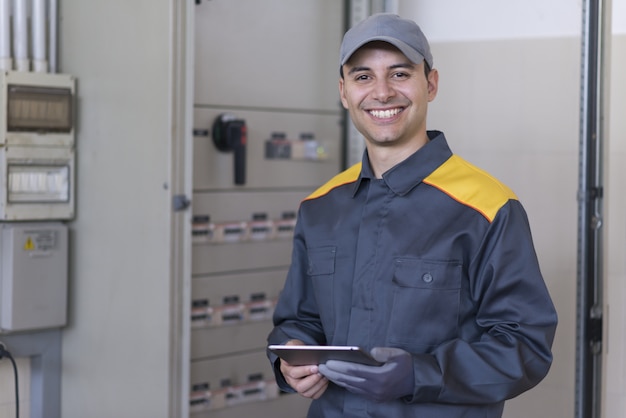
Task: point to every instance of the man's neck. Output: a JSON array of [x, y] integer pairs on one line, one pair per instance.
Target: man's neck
[[384, 158]]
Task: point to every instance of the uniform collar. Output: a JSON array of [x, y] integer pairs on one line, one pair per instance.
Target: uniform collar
[[403, 177]]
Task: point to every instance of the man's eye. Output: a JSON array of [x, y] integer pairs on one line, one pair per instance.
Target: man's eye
[[361, 77], [400, 75]]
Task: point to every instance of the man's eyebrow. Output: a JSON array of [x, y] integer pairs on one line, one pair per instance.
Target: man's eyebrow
[[407, 64], [358, 69]]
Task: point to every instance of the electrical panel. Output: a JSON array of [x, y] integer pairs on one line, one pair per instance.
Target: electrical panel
[[33, 275], [267, 132], [37, 146], [241, 251]]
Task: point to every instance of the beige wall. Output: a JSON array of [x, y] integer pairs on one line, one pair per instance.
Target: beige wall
[[511, 107], [509, 101]]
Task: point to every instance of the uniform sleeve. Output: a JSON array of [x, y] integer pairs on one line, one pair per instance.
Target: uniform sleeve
[[296, 315], [516, 317]]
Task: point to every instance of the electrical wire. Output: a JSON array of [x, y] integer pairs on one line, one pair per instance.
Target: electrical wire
[[5, 353]]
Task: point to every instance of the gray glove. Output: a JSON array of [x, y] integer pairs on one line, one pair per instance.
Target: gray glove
[[393, 380]]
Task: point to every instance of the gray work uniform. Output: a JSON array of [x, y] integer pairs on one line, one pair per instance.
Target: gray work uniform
[[435, 258]]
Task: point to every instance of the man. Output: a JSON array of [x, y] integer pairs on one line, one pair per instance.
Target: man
[[414, 254]]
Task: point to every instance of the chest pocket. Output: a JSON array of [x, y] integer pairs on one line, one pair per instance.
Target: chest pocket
[[425, 311], [321, 272]]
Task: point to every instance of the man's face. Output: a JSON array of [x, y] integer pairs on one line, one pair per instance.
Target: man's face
[[387, 95]]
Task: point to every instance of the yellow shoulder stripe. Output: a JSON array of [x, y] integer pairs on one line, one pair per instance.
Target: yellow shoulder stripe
[[471, 186], [348, 176]]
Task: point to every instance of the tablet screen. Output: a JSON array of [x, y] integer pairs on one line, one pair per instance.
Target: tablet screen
[[300, 355]]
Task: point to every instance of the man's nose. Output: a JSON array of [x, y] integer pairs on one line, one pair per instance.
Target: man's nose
[[383, 90]]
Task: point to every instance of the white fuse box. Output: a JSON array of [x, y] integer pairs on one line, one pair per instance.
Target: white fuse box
[[37, 147], [33, 275]]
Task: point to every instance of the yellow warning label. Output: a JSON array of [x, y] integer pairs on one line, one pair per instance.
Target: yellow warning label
[[29, 245]]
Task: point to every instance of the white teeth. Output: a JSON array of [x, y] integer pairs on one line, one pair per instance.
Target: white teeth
[[384, 114]]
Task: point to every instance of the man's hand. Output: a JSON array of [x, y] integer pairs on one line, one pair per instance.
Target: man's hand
[[306, 380], [393, 380]]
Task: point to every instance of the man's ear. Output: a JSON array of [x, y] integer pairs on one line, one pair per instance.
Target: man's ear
[[342, 95], [433, 84]]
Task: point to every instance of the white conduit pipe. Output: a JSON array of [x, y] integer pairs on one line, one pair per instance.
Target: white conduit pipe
[[52, 35], [20, 35], [6, 63], [38, 19]]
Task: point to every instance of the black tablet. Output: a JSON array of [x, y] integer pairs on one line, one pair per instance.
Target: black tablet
[[300, 355]]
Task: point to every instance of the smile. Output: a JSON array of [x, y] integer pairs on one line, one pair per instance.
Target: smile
[[385, 114]]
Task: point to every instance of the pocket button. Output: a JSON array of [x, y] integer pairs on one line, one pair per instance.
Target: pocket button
[[427, 277]]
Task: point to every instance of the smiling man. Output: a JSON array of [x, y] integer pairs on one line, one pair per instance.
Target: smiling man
[[415, 255], [387, 96]]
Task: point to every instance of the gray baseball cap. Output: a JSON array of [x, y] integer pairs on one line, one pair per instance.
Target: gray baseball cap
[[404, 34]]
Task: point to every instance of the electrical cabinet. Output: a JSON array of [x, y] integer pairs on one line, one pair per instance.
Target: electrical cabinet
[[236, 282], [267, 132], [33, 276]]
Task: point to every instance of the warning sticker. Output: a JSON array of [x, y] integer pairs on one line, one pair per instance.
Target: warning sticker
[[29, 245], [40, 240]]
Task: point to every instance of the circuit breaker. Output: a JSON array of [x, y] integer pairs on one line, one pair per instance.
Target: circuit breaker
[[33, 275], [37, 130]]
